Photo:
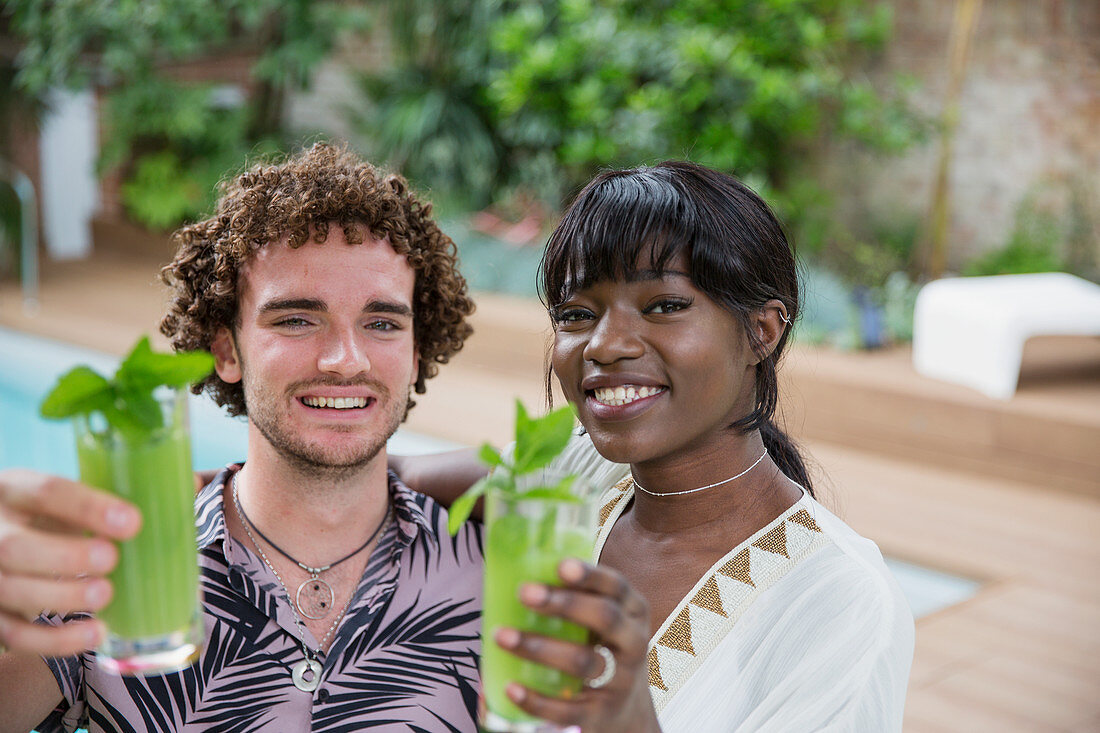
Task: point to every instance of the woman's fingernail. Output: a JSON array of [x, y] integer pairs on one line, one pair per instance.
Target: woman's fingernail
[[534, 593], [507, 638], [515, 692], [571, 570]]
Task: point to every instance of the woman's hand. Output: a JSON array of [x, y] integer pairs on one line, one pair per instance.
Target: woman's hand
[[602, 601], [55, 550]]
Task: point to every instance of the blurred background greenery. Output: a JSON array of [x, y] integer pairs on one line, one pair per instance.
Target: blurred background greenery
[[502, 109]]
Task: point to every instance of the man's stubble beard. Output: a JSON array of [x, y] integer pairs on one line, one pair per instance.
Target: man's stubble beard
[[311, 459]]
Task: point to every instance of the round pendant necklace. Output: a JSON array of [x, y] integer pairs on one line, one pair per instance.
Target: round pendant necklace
[[306, 674], [315, 597]]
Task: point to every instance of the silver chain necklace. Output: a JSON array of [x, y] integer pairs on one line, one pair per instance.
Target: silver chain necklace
[[306, 674], [701, 488], [315, 597]]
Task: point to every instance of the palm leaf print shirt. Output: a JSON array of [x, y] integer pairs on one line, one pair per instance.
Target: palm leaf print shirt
[[404, 658]]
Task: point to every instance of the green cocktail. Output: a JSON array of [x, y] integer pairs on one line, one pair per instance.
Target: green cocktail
[[525, 542], [153, 620]]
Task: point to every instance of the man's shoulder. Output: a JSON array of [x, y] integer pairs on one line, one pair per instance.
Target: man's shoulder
[[430, 519]]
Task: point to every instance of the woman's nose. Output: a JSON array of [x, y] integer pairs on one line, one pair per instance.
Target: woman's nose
[[614, 337]]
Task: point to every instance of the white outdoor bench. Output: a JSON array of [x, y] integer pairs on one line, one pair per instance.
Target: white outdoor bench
[[971, 330]]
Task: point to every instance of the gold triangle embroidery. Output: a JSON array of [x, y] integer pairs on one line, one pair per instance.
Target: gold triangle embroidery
[[655, 672], [738, 568], [774, 541], [621, 487], [606, 509], [803, 517], [710, 598], [678, 635]]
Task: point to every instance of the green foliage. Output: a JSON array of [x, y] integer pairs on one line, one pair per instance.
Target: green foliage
[[10, 229], [489, 96], [173, 140], [538, 442], [427, 114], [1034, 245], [738, 85], [126, 400]]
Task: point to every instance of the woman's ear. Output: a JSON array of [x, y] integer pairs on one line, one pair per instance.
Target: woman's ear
[[769, 322], [227, 363]]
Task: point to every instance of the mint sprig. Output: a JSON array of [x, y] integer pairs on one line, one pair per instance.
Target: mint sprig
[[538, 442], [126, 400]]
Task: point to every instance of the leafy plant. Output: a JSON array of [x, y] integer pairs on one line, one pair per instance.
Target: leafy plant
[[538, 441], [743, 85], [1033, 246], [172, 140], [426, 112], [126, 400]]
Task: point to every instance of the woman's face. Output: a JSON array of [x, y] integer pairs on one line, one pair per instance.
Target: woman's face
[[654, 367]]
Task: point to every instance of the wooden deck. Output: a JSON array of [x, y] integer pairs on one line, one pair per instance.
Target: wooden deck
[[1006, 493]]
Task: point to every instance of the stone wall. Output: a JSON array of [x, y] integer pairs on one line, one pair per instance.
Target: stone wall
[[1029, 120]]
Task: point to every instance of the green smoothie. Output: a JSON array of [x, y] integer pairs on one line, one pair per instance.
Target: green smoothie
[[156, 580], [521, 549]]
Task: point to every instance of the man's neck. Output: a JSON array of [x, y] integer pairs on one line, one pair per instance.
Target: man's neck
[[314, 518]]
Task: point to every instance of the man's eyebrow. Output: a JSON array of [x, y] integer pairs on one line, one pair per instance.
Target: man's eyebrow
[[294, 304], [386, 306]]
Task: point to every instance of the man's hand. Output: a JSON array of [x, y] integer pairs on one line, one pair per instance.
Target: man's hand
[[55, 549]]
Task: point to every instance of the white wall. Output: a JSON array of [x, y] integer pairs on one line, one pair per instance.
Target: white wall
[[69, 144]]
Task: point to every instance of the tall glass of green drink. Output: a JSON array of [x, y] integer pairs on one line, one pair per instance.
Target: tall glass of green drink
[[526, 539], [154, 623]]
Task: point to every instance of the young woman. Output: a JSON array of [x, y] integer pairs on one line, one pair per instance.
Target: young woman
[[725, 597]]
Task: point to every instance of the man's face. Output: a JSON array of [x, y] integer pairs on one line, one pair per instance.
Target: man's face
[[324, 349]]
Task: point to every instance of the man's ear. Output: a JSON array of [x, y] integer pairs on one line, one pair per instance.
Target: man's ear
[[227, 362], [768, 323], [415, 368]]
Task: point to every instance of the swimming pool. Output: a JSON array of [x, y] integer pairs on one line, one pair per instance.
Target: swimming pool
[[29, 367]]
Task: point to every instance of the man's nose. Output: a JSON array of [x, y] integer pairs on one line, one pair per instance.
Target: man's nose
[[344, 353]]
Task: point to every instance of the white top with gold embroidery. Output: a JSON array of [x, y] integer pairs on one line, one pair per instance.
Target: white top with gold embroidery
[[799, 628]]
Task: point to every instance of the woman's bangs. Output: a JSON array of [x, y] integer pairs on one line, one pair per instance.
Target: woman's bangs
[[615, 228]]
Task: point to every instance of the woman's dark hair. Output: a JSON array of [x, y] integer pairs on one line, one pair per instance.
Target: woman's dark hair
[[736, 249]]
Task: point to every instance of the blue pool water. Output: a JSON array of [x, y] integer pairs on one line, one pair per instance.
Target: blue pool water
[[29, 367]]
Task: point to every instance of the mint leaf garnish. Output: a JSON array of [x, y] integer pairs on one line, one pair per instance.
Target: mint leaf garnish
[[80, 390], [538, 442], [126, 400]]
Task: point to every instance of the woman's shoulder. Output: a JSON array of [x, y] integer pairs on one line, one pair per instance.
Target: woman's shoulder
[[847, 575]]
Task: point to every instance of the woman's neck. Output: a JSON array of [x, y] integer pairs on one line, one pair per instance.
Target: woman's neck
[[735, 481]]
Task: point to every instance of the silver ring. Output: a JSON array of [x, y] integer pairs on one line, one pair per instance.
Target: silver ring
[[608, 669]]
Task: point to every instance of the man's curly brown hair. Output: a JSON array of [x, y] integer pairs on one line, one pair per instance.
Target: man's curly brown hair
[[300, 198]]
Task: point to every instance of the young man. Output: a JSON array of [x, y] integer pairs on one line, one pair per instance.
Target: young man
[[327, 295]]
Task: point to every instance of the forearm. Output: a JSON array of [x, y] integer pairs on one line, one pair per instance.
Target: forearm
[[442, 476], [28, 692]]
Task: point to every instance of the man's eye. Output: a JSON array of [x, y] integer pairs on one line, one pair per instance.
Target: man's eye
[[383, 326], [292, 322]]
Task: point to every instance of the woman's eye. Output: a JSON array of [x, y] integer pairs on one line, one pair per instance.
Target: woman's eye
[[668, 305], [569, 315]]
